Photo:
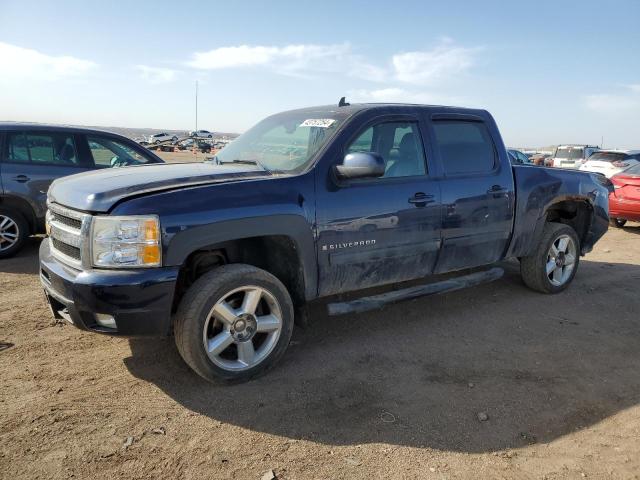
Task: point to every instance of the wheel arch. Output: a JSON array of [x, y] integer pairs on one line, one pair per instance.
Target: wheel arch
[[283, 245], [25, 209], [577, 212]]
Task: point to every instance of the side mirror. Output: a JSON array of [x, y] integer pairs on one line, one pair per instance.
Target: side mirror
[[361, 165]]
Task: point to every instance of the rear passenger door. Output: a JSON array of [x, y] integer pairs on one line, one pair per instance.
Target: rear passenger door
[[31, 160], [477, 191]]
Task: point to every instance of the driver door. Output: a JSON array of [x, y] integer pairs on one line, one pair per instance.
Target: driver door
[[380, 230]]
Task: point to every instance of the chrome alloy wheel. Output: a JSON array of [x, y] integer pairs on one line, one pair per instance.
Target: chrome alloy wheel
[[242, 328], [561, 260], [9, 232]]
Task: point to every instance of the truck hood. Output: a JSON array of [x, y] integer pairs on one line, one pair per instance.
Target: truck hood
[[100, 190]]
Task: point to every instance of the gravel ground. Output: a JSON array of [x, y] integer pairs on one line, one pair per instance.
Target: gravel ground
[[492, 382]]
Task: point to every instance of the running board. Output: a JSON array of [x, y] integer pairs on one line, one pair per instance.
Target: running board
[[377, 301]]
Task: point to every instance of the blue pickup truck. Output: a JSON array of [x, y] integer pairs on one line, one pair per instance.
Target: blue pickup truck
[[324, 202]]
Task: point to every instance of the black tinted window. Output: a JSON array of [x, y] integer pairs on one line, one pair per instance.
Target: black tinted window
[[609, 156], [465, 147], [42, 148]]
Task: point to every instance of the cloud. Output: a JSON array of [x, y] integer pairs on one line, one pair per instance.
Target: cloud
[[399, 95], [628, 100], [290, 59], [25, 63], [424, 67], [433, 66], [157, 75]]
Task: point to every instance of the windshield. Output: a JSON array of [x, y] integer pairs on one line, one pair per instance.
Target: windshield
[[570, 153], [285, 142], [608, 156]]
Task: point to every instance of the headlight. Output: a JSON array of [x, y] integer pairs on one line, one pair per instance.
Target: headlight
[[118, 242]]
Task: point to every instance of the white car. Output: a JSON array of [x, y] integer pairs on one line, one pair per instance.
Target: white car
[[611, 162], [162, 137], [572, 156], [201, 134]]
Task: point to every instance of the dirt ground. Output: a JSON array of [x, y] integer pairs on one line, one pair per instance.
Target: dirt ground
[[390, 394]]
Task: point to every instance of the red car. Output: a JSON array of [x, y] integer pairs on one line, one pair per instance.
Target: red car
[[624, 201]]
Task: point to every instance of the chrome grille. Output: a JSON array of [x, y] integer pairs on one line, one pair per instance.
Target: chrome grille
[[68, 250], [70, 222], [65, 227]]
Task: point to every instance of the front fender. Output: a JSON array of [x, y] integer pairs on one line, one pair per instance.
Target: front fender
[[295, 227], [197, 218]]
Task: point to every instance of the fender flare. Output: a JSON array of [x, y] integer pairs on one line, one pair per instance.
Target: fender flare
[[296, 227], [542, 219]]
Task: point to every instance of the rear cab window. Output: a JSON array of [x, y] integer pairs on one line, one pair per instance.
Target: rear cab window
[[465, 147]]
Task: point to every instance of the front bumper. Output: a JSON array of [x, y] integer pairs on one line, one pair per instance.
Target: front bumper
[[139, 300]]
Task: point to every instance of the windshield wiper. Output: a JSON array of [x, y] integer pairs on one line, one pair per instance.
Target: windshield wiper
[[240, 161]]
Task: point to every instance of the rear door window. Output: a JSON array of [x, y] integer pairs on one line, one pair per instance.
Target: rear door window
[[465, 147], [42, 148]]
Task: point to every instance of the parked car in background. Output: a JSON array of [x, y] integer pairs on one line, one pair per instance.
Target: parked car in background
[[521, 158], [162, 137], [611, 162], [624, 201], [201, 134], [191, 143], [541, 159], [572, 156], [32, 156]]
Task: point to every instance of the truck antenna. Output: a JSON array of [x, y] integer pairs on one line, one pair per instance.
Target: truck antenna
[[343, 102]]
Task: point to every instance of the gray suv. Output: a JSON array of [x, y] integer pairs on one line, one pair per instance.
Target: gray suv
[[32, 156]]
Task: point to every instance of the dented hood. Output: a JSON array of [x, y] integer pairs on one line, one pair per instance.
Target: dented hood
[[100, 190]]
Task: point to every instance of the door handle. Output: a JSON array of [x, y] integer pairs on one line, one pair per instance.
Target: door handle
[[421, 199], [497, 190], [21, 178]]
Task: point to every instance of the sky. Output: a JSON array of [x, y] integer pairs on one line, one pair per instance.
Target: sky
[[549, 71]]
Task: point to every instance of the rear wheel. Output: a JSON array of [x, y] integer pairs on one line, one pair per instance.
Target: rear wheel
[[14, 230], [234, 323], [554, 264], [617, 222]]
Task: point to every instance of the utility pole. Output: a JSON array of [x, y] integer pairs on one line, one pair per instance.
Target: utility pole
[[196, 105]]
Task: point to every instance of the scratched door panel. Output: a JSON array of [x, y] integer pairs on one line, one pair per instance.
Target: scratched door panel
[[385, 239]]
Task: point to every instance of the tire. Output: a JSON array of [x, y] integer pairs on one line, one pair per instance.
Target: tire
[[195, 323], [549, 272], [617, 222], [14, 230]]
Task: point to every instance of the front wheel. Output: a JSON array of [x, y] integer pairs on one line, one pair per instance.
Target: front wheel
[[617, 222], [555, 262], [234, 323]]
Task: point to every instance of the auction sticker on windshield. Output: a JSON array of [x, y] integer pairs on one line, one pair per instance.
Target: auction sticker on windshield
[[318, 122]]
